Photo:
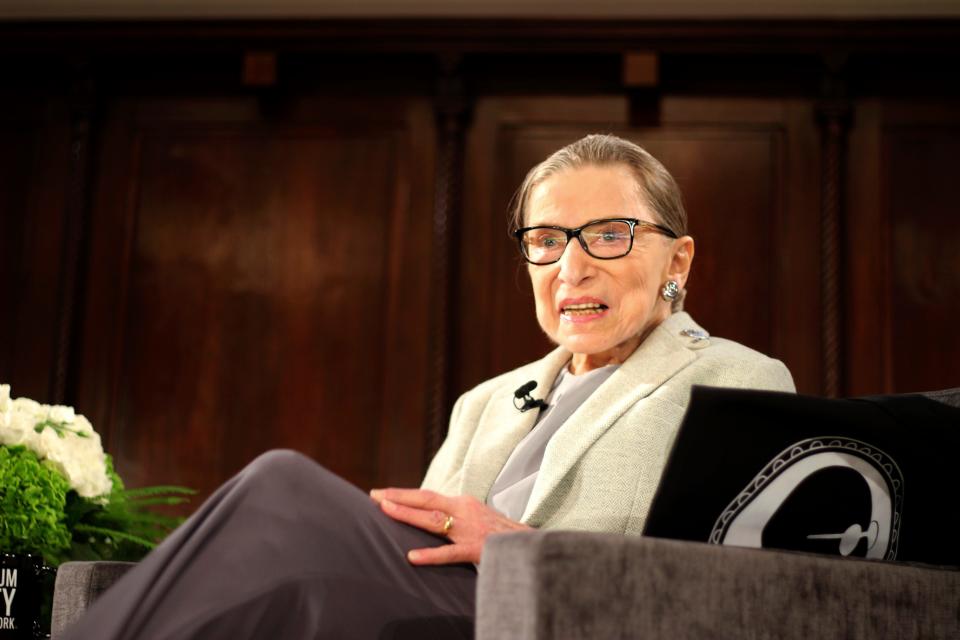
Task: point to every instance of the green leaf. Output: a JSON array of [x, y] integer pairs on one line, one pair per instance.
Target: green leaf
[[116, 533], [60, 428], [159, 489]]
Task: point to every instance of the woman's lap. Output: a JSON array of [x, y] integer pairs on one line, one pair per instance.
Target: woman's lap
[[287, 549]]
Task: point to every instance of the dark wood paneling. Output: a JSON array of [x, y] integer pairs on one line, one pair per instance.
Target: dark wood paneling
[[865, 261], [754, 275], [922, 196], [902, 243], [17, 148], [260, 284], [33, 169]]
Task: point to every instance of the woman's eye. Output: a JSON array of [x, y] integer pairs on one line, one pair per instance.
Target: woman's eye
[[546, 241], [607, 236]]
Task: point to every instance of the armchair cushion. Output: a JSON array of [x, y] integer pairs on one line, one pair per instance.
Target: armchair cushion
[[564, 584]]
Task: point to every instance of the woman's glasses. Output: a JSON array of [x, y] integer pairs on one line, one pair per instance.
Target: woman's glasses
[[605, 239]]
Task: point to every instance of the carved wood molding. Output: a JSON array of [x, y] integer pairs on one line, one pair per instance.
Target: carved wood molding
[[487, 35], [452, 111], [834, 114]]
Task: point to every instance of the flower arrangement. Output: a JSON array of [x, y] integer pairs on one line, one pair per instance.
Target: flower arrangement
[[60, 497]]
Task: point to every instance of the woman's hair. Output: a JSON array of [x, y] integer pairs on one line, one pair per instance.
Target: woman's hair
[[656, 186]]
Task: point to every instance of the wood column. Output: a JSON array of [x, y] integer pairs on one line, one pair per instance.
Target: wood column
[[452, 114], [834, 115]]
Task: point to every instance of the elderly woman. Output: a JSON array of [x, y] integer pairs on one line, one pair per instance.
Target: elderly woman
[[286, 549]]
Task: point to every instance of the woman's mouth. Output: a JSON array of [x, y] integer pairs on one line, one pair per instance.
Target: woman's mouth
[[583, 311]]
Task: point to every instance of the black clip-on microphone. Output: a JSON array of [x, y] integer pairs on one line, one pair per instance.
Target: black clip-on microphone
[[522, 399]]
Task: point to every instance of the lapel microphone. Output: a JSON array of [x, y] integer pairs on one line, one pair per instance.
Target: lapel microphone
[[522, 399]]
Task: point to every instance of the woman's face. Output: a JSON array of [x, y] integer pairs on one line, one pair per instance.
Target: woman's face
[[627, 289]]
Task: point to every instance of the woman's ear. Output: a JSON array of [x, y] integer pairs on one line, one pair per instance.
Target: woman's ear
[[680, 260]]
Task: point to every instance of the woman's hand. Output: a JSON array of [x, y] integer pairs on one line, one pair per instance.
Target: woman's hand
[[463, 519]]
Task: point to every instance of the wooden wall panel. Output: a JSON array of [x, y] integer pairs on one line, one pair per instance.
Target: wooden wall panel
[[865, 261], [16, 151], [258, 285], [902, 248], [33, 168], [922, 196], [754, 275]]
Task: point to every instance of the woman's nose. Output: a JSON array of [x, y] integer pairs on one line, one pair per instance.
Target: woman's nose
[[575, 263]]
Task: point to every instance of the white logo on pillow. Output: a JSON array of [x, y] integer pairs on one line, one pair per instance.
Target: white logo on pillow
[[827, 495]]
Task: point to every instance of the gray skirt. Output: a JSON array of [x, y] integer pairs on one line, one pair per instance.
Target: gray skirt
[[286, 549]]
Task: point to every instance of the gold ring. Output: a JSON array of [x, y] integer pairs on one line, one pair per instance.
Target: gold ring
[[447, 525]]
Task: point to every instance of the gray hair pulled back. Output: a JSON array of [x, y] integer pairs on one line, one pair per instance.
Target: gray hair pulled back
[[656, 186]]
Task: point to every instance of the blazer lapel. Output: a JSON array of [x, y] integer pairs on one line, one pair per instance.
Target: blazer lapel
[[654, 362], [502, 426]]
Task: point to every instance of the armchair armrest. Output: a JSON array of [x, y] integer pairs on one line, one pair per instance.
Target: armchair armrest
[[78, 584], [564, 584]]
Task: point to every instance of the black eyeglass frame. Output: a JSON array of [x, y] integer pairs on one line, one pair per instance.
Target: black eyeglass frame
[[575, 233]]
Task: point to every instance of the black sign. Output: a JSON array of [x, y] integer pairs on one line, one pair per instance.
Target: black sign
[[23, 578]]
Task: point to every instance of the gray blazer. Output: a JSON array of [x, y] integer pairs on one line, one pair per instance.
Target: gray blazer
[[601, 468]]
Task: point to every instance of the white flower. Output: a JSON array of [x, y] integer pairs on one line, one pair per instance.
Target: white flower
[[4, 397], [56, 433], [4, 407]]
